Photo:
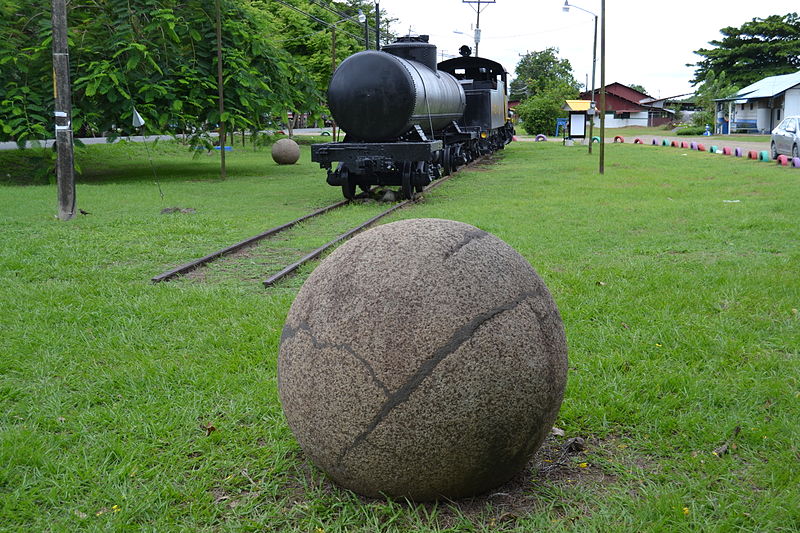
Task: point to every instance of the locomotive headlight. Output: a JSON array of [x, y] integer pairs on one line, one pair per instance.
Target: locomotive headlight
[[484, 135]]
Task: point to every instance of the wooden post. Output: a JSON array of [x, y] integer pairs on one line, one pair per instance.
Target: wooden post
[[603, 87], [62, 93], [221, 94]]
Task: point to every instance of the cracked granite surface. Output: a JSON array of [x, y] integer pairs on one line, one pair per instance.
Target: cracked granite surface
[[423, 358]]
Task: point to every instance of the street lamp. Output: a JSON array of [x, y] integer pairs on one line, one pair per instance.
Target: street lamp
[[362, 18], [592, 106]]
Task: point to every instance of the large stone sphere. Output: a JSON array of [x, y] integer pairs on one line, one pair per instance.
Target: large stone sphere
[[285, 152], [422, 359]]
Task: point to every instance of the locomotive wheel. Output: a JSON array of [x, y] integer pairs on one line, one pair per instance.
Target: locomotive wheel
[[457, 157], [447, 167], [348, 184], [422, 176], [407, 185]]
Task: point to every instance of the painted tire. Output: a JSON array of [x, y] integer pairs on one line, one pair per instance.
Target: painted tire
[[796, 162], [693, 145], [595, 139], [684, 144], [763, 155], [637, 140], [619, 139], [654, 142], [752, 154], [714, 149], [674, 144], [665, 142], [726, 150], [540, 138], [783, 160], [738, 152], [701, 147]]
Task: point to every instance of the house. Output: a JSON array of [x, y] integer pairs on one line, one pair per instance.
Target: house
[[761, 106], [629, 107]]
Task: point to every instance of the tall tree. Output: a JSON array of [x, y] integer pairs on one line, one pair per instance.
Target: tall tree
[[539, 70], [755, 50]]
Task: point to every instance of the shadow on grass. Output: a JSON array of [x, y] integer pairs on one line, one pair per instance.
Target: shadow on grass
[[129, 162]]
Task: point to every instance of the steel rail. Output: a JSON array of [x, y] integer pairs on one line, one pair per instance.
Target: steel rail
[[192, 265], [188, 267], [272, 280], [319, 251]]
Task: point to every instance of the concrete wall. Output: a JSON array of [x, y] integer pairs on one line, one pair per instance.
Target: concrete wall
[[792, 102], [637, 119]]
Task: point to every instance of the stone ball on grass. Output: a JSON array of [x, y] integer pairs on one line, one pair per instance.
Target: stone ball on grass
[[285, 152], [422, 359]]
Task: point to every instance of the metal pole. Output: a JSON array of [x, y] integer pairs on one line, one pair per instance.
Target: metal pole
[[478, 29], [220, 93], [603, 87], [377, 26], [65, 168], [366, 33], [594, 63], [333, 69]]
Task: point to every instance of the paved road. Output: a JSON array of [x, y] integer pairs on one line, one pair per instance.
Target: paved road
[[150, 138], [718, 140]]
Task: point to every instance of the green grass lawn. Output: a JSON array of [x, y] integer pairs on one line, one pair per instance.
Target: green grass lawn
[[131, 406]]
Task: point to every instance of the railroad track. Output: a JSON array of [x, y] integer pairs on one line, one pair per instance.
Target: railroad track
[[290, 269]]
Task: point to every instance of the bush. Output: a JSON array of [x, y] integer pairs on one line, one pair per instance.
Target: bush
[[691, 130], [538, 113]]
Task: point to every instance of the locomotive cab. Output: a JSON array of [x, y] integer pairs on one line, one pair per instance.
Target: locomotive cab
[[484, 82]]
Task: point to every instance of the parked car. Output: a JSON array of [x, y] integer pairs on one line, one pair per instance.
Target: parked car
[[786, 138]]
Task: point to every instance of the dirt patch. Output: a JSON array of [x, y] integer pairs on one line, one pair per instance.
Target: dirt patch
[[539, 487]]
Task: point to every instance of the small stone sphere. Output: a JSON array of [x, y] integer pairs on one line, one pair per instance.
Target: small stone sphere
[[285, 152], [422, 359]]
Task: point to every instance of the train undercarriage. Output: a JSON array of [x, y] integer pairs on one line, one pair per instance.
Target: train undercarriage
[[411, 163]]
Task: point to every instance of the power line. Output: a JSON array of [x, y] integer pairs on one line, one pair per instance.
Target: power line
[[326, 23], [340, 14]]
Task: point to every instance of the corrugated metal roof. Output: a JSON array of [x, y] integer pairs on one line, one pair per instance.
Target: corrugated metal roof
[[768, 87], [577, 105]]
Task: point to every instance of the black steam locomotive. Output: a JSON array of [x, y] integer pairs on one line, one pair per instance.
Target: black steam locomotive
[[408, 120]]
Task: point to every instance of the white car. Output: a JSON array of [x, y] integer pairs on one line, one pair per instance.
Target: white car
[[786, 138]]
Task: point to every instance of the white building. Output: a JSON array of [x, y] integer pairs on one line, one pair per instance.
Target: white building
[[761, 106]]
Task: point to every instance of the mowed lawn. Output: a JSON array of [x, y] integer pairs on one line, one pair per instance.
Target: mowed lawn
[[131, 406]]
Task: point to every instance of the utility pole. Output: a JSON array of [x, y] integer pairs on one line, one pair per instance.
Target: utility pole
[[333, 69], [377, 25], [603, 87], [62, 93], [478, 24], [221, 94]]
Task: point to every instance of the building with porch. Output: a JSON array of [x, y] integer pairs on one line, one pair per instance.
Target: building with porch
[[759, 107]]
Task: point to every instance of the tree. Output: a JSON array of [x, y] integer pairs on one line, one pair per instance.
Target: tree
[[758, 49], [160, 56], [714, 86], [637, 87], [539, 70]]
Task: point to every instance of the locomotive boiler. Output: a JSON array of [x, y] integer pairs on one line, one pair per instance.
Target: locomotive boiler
[[408, 120]]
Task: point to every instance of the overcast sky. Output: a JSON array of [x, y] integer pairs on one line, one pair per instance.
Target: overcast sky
[[648, 43]]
